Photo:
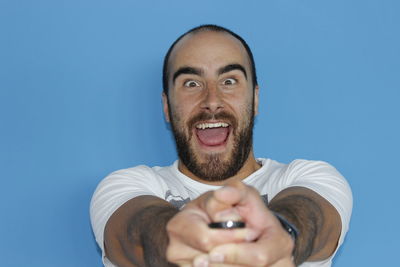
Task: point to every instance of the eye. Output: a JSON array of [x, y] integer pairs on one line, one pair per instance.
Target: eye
[[229, 81], [191, 83]]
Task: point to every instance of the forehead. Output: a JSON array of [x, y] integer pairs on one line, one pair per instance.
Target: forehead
[[208, 50]]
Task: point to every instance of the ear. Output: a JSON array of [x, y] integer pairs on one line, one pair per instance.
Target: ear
[[256, 91], [165, 107]]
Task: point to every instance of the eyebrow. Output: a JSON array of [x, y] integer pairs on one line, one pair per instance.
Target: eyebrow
[[231, 67], [186, 70], [197, 71]]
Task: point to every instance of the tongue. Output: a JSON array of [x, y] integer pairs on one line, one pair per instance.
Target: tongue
[[213, 136]]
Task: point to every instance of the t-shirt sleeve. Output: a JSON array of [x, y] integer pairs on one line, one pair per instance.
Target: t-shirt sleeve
[[325, 180], [116, 189]]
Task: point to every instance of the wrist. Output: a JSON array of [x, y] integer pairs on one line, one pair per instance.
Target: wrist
[[290, 228]]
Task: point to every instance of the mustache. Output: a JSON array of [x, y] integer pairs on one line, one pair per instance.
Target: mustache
[[205, 116]]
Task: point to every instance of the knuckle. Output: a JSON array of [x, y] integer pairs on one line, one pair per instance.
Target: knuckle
[[253, 192], [204, 243], [170, 227], [261, 259], [238, 184]]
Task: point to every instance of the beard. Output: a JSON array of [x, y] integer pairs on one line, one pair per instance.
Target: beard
[[214, 168]]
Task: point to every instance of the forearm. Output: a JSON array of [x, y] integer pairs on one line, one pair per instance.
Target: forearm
[[315, 218], [135, 235]]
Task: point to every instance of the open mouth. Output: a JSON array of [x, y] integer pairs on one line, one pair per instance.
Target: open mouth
[[213, 133]]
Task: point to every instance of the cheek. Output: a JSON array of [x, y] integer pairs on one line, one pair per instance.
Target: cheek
[[241, 104], [186, 106], [178, 113], [244, 110]]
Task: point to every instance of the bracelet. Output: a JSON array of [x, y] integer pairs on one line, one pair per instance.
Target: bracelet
[[290, 228]]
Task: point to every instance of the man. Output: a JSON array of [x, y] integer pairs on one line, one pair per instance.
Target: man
[[294, 214]]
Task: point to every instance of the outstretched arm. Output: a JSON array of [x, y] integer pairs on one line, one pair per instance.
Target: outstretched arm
[[138, 233], [317, 221]]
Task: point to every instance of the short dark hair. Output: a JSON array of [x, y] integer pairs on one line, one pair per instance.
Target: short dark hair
[[214, 28]]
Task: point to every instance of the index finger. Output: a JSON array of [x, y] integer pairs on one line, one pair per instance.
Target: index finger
[[216, 209]]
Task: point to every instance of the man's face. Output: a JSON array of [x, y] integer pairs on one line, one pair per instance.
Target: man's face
[[211, 104]]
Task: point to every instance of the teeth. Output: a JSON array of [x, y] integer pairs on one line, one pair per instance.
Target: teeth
[[203, 126]]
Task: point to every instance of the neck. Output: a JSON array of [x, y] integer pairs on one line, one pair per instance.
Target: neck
[[249, 166]]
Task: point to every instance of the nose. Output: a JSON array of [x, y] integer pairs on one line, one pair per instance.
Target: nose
[[212, 99]]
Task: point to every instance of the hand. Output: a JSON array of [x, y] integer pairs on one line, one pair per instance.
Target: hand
[[271, 247], [190, 238]]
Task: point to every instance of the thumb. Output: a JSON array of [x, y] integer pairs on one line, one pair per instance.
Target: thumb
[[231, 194]]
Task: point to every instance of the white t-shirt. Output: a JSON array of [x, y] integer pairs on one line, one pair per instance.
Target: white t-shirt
[[170, 184]]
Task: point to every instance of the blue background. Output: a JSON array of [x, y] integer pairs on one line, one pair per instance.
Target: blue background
[[80, 85]]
